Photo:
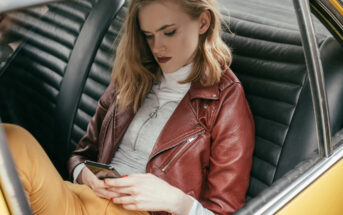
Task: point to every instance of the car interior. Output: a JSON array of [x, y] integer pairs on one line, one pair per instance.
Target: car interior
[[51, 80]]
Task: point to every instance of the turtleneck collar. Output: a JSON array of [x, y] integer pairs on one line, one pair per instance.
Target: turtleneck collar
[[170, 80]]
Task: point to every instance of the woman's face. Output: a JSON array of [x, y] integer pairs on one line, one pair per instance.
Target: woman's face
[[171, 34]]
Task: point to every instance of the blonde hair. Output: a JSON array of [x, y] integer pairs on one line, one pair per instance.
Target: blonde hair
[[135, 69]]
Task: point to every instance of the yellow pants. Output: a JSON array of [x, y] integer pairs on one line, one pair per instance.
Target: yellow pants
[[46, 191]]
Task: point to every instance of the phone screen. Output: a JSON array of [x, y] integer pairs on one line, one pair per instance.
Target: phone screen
[[102, 170]]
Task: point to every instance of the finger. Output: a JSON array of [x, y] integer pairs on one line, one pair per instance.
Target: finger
[[106, 194], [119, 182], [117, 195], [98, 184], [124, 200], [101, 195], [113, 195], [124, 190], [134, 207]]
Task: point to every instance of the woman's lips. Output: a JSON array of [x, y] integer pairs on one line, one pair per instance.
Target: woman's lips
[[163, 59]]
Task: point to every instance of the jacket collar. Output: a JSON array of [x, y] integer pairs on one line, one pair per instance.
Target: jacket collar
[[197, 90]]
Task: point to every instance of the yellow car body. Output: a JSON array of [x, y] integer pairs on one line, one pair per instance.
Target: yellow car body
[[323, 196]]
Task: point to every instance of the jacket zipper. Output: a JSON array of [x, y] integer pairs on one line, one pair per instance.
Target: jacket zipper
[[141, 128], [151, 115], [189, 141]]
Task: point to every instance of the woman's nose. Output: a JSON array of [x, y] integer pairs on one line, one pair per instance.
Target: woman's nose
[[158, 45]]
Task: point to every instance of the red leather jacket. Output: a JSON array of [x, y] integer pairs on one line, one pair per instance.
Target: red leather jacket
[[205, 148]]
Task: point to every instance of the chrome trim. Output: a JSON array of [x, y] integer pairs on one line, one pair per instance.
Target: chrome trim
[[329, 12], [302, 182], [315, 75]]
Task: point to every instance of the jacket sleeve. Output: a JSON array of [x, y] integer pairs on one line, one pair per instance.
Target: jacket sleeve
[[233, 139], [87, 148]]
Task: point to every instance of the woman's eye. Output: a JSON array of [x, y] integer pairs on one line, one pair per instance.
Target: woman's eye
[[171, 33], [148, 37]]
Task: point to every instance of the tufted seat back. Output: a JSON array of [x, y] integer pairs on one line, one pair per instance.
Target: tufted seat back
[[269, 61], [98, 79], [42, 82], [31, 81]]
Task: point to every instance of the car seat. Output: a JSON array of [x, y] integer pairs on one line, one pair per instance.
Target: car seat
[[41, 83]]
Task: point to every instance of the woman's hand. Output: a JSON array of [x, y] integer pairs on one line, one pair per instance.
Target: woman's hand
[[98, 186], [146, 192]]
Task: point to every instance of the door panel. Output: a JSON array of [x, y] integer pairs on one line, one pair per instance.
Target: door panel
[[324, 196]]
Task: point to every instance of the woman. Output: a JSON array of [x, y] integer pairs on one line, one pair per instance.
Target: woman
[[174, 120]]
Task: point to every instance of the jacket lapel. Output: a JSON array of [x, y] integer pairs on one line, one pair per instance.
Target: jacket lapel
[[181, 125], [184, 123]]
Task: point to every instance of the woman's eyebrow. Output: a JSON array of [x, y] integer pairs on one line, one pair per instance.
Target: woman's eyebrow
[[161, 28]]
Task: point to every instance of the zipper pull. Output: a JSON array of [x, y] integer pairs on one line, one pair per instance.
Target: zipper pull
[[191, 139], [154, 113]]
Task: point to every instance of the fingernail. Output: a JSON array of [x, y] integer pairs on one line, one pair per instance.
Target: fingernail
[[124, 176]]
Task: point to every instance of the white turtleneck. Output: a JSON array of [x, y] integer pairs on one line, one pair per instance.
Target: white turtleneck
[[139, 139], [170, 89], [134, 150]]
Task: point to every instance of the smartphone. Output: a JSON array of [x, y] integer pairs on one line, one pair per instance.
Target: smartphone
[[101, 170]]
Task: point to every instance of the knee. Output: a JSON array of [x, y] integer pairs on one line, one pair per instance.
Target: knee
[[16, 134]]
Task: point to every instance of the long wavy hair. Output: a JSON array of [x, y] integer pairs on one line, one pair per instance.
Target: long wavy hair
[[135, 70]]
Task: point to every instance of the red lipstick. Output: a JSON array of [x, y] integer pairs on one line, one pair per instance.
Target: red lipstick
[[163, 59]]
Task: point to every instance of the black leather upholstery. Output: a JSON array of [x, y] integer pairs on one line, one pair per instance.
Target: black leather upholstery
[[331, 56], [276, 13], [98, 79], [81, 59], [42, 83], [269, 61], [31, 81], [54, 95]]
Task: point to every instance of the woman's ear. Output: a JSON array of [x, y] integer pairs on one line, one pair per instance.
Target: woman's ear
[[205, 21]]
